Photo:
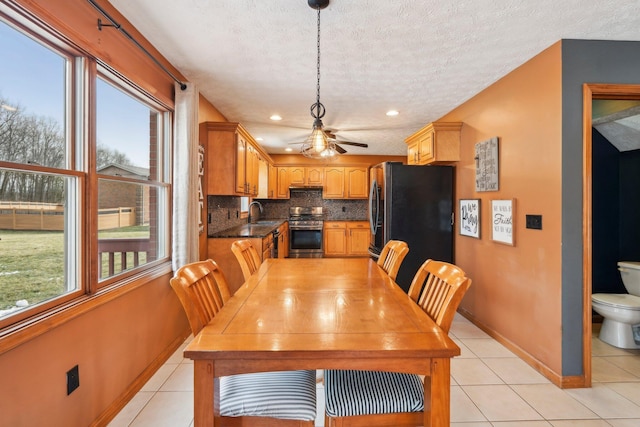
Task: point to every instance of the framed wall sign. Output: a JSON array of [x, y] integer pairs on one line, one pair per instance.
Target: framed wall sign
[[470, 217], [487, 170], [502, 225]]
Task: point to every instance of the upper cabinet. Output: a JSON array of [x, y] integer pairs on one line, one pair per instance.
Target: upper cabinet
[[333, 183], [346, 182], [233, 159], [283, 180], [306, 175], [272, 184], [438, 142], [356, 182]]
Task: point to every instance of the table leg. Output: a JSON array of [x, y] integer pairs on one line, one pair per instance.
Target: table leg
[[203, 391], [437, 386]]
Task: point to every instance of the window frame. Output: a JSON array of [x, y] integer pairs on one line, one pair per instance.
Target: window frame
[[162, 181], [79, 123], [76, 214]]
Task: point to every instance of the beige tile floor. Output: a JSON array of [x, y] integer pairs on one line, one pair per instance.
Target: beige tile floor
[[490, 386]]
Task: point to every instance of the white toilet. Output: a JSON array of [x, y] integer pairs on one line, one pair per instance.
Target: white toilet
[[621, 312]]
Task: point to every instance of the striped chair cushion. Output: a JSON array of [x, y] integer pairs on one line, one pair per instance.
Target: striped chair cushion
[[282, 395], [350, 393]]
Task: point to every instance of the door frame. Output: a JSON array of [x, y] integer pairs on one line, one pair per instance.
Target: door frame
[[591, 91]]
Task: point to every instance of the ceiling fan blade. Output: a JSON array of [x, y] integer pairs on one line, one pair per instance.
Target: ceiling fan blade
[[340, 150], [355, 144]]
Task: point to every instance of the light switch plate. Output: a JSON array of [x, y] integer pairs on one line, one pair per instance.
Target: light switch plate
[[534, 222]]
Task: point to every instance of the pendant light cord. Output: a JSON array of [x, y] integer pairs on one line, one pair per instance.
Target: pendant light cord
[[319, 108], [318, 63]]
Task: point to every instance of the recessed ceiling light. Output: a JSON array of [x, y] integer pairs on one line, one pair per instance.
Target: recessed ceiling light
[[288, 149], [392, 113], [275, 117], [259, 139]]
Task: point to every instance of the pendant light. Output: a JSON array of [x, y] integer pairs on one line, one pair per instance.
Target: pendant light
[[317, 145]]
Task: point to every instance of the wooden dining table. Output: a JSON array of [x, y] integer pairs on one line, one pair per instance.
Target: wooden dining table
[[321, 313]]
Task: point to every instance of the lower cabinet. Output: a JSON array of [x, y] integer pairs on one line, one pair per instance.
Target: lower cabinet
[[358, 238], [346, 238], [283, 241]]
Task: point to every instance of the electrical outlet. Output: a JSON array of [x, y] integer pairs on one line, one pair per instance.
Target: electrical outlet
[[73, 379], [534, 222]]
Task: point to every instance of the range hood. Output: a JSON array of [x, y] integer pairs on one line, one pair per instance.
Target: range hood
[[305, 188]]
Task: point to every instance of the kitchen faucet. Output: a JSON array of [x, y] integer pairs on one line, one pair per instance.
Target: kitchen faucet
[[255, 202]]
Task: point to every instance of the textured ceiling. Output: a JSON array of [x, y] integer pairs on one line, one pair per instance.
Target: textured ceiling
[[255, 58]]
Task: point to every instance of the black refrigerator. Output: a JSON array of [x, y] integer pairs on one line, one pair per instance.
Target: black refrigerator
[[413, 204]]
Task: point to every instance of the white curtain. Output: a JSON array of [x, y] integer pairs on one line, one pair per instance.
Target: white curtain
[[185, 177]]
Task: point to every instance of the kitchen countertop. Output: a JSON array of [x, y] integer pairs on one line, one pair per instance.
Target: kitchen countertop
[[259, 229]]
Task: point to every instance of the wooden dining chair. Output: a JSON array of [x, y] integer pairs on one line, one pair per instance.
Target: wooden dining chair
[[247, 256], [375, 398], [266, 398], [392, 255]]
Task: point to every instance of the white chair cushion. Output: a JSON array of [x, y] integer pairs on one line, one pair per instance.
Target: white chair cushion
[[349, 393], [282, 395]]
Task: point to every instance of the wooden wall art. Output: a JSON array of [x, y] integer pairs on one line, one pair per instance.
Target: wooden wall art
[[487, 170]]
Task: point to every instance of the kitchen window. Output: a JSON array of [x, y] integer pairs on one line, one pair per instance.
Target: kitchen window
[[82, 207]]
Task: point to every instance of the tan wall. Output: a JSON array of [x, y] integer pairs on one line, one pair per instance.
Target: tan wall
[[116, 342], [207, 112], [112, 345], [516, 290]]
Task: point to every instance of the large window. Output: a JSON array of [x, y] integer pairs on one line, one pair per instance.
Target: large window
[[68, 227], [132, 194], [39, 191]]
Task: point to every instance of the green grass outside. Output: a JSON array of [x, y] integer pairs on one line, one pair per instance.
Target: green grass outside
[[32, 263], [31, 266]]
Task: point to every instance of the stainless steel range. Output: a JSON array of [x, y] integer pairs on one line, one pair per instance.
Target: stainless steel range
[[305, 232]]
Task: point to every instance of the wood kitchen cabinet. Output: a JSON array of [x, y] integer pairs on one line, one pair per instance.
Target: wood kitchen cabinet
[[305, 176], [346, 182], [272, 185], [282, 182], [233, 158], [437, 142], [335, 238], [346, 238], [283, 240], [333, 183], [358, 238], [356, 182]]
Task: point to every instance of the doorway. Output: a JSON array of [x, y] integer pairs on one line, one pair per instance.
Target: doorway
[[591, 93]]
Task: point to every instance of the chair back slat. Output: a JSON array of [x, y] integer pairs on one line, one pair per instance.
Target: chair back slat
[[202, 290], [392, 256], [438, 287], [247, 256]]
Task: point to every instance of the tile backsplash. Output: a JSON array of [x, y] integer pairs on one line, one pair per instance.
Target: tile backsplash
[[224, 211]]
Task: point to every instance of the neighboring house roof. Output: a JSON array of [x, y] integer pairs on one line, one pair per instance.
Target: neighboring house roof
[[126, 170]]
